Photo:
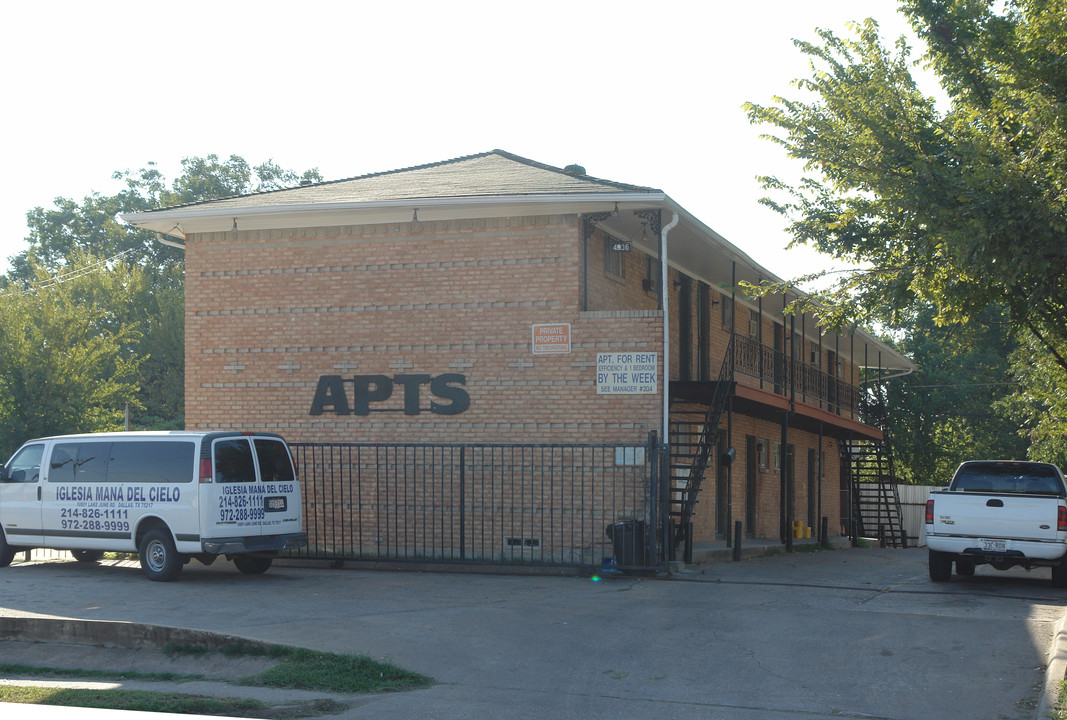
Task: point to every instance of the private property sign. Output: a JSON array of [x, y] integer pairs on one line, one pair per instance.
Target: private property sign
[[552, 339], [626, 373]]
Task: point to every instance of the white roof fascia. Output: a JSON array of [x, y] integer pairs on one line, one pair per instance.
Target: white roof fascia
[[179, 222]]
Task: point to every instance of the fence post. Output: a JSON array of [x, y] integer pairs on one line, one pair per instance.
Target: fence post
[[653, 496], [462, 502], [737, 541]]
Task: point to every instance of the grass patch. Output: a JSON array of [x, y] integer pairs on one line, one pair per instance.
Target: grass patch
[[297, 668], [357, 674], [42, 672], [303, 669], [135, 700], [1060, 711]]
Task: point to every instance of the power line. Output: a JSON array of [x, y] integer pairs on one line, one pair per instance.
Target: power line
[[74, 274]]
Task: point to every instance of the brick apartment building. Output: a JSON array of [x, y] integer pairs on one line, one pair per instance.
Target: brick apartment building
[[493, 299]]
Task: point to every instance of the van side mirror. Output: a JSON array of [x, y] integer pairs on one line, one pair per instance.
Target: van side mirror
[[3, 474]]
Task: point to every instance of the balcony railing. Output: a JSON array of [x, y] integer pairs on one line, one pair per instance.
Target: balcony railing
[[776, 371]]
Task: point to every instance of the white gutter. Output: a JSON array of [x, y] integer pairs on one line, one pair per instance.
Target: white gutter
[[169, 243], [665, 379], [208, 217]]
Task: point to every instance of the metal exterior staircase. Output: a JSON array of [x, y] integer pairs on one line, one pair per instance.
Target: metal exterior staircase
[[694, 435], [869, 464]]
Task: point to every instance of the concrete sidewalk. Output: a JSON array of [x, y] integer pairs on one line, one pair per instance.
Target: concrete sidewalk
[[840, 633]]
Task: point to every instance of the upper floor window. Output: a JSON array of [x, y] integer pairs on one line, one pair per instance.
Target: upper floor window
[[727, 304], [612, 257]]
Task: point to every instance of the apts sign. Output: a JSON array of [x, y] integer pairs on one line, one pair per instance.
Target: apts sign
[[364, 394]]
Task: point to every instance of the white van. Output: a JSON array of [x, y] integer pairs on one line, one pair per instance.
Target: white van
[[169, 496]]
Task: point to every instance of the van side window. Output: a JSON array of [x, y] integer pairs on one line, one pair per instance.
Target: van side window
[[26, 465], [158, 461], [233, 461], [79, 462], [274, 462]]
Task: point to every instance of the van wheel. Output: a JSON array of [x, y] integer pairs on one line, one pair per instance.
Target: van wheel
[[940, 566], [87, 556], [159, 560], [1059, 576], [252, 564], [7, 553]]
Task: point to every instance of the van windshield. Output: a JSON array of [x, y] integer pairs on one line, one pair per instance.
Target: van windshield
[[1014, 477]]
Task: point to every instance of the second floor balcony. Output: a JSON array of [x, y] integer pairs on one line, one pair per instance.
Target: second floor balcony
[[763, 367]]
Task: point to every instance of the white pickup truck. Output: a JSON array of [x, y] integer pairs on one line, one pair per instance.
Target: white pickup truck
[[1002, 513]]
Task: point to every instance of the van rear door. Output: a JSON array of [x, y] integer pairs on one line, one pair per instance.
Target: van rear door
[[281, 489], [254, 491]]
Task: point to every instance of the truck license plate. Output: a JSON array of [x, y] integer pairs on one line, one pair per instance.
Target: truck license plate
[[994, 545], [274, 504]]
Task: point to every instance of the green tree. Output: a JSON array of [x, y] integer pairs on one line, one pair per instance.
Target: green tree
[[951, 409], [91, 226], [960, 207], [1040, 405], [67, 362], [70, 232], [958, 203]]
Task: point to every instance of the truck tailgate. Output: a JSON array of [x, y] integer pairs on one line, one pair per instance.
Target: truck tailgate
[[986, 515]]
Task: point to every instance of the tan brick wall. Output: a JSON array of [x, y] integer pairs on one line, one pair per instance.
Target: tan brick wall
[[767, 481], [270, 312]]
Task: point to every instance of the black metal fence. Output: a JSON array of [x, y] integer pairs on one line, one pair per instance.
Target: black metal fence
[[560, 505]]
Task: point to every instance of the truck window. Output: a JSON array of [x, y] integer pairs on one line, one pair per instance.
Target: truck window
[[233, 461], [274, 462], [1022, 478], [157, 461], [26, 465]]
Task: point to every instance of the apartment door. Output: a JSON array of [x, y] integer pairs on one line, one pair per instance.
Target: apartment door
[[685, 329], [751, 473]]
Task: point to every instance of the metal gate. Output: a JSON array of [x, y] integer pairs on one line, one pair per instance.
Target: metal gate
[[555, 504]]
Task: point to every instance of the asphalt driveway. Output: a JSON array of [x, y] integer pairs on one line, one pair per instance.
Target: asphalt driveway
[[843, 633]]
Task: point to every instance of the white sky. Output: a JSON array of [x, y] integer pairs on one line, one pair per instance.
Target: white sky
[[645, 93]]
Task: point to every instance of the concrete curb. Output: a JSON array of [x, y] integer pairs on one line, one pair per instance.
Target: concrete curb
[[1054, 673], [113, 634]]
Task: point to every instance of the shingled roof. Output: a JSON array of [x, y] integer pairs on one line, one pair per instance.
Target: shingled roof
[[491, 174]]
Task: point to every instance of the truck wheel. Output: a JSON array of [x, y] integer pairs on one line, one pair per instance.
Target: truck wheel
[[964, 567], [940, 566], [87, 556], [159, 560], [7, 553], [252, 564], [1059, 576]]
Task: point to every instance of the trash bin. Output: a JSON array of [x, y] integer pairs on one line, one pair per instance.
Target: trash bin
[[629, 542]]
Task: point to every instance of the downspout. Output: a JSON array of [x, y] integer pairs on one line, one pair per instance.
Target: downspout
[[665, 460], [666, 324]]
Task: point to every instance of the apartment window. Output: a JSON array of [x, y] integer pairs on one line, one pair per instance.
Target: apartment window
[[777, 456], [727, 304], [612, 257], [815, 354], [761, 452], [753, 324]]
